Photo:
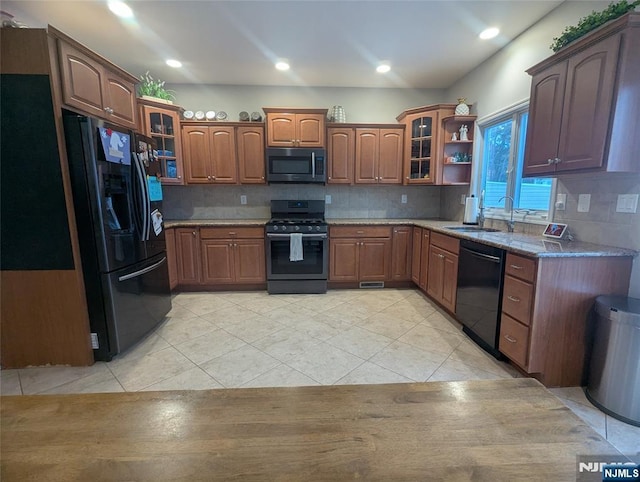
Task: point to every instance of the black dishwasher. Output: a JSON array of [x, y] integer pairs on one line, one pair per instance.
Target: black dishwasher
[[479, 293]]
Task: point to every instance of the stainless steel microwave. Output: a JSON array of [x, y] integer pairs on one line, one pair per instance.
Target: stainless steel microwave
[[296, 164]]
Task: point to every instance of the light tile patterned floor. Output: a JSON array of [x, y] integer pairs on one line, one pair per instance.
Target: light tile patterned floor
[[252, 339]]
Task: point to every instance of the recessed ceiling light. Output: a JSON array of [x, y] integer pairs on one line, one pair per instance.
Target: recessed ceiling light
[[121, 9], [383, 68], [489, 33], [282, 65], [176, 64]]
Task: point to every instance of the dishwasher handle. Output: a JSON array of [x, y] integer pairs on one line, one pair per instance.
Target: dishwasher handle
[[488, 257]]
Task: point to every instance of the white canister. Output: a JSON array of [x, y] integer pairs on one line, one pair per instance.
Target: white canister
[[471, 210]]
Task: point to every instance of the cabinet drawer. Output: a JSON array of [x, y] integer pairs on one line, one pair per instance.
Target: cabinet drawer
[[446, 242], [231, 232], [514, 340], [360, 231], [517, 298], [520, 267]]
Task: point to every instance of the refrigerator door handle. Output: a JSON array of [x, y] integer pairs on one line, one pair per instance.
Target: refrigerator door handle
[[143, 206], [146, 270]]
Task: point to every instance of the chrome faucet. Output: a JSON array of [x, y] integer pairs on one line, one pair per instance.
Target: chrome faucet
[[510, 223]]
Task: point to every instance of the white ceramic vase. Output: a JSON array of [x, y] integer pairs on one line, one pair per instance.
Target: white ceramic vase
[[462, 108]]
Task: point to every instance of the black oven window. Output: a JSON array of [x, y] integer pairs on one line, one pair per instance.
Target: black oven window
[[311, 264]]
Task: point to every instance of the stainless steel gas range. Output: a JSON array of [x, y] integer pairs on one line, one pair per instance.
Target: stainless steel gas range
[[297, 247]]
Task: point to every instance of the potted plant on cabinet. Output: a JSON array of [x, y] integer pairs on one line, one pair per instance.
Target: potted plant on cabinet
[[152, 89]]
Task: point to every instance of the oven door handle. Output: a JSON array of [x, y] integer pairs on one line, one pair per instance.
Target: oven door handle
[[313, 165], [305, 236]]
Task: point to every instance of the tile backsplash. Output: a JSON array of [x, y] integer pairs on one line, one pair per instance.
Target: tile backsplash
[[223, 202]]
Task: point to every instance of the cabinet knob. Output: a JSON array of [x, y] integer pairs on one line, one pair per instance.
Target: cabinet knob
[[549, 161], [193, 232], [108, 110], [179, 177], [262, 178], [557, 160]]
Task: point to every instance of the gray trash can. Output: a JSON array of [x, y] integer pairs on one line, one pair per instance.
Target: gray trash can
[[614, 372]]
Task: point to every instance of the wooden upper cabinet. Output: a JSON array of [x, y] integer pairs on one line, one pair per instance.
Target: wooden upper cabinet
[[295, 127], [224, 165], [211, 153], [378, 157], [423, 143], [390, 156], [162, 123], [545, 116], [340, 153], [583, 106], [92, 86], [196, 148], [251, 162]]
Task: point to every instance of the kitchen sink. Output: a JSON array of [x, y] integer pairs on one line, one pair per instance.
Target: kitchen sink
[[472, 229]]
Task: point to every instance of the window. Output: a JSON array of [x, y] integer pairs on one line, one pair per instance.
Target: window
[[503, 141]]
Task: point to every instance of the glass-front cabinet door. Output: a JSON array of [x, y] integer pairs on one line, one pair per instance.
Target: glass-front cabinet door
[[420, 161], [162, 123]]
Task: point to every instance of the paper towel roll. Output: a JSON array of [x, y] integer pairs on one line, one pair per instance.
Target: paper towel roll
[[471, 210]]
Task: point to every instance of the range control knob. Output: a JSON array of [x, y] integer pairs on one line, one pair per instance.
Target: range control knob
[[317, 228], [275, 228], [309, 228], [284, 228], [297, 228]]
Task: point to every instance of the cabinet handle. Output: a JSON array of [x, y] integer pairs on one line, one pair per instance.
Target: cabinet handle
[[515, 266], [509, 339], [232, 233], [440, 255], [557, 160], [549, 161], [108, 110], [514, 299], [360, 232]]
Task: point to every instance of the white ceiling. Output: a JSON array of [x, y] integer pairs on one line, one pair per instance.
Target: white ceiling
[[430, 44]]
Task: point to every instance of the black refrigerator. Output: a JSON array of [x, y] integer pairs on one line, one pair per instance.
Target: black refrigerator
[[118, 206]]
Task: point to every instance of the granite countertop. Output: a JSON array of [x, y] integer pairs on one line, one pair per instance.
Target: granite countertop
[[525, 244]]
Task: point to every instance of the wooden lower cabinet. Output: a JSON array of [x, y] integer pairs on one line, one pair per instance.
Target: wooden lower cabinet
[[401, 250], [172, 262], [233, 261], [420, 257], [358, 253], [232, 255], [188, 255], [212, 256], [546, 308], [442, 275]]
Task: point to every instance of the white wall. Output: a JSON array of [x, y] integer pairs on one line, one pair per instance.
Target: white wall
[[360, 105], [502, 81]]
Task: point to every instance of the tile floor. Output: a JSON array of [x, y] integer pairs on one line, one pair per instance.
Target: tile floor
[[252, 339]]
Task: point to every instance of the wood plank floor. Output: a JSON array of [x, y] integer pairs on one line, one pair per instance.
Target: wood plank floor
[[477, 430]]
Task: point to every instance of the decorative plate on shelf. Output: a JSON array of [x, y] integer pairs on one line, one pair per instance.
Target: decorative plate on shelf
[[221, 115], [199, 115], [188, 114], [210, 115]]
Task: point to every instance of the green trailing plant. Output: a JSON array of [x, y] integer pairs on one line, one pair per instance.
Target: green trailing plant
[[592, 21], [154, 88]]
